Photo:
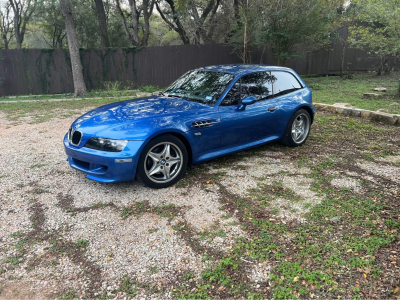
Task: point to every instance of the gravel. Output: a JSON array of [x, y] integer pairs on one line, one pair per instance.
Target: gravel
[[41, 196], [347, 182]]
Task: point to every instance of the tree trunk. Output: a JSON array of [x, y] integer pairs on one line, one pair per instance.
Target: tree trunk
[[5, 41], [178, 27], [342, 58], [380, 68], [77, 74], [22, 16], [101, 16], [398, 91], [135, 21], [16, 25], [236, 9]]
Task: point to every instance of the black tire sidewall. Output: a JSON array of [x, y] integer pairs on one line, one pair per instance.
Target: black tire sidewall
[[141, 173], [288, 139]]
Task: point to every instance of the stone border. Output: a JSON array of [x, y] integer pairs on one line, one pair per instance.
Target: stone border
[[348, 110]]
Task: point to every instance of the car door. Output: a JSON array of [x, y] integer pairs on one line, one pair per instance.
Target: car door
[[287, 94], [256, 121]]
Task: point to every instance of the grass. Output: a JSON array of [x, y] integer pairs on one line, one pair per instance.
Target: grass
[[318, 258], [45, 111], [111, 89], [328, 90], [333, 89], [346, 247]]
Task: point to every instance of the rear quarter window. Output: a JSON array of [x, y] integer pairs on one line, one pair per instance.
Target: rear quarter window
[[284, 83]]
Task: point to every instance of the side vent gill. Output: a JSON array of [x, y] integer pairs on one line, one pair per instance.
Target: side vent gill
[[203, 123]]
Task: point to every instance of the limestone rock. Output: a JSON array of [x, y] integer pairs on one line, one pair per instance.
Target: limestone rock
[[394, 105], [343, 105], [365, 114], [372, 96], [382, 110], [344, 111], [325, 107], [380, 89], [385, 118], [348, 105]]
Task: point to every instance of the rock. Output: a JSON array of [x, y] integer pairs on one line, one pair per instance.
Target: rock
[[335, 219], [325, 107], [394, 105], [348, 105], [356, 112], [372, 96], [344, 111], [382, 111], [385, 118], [365, 114], [380, 89]]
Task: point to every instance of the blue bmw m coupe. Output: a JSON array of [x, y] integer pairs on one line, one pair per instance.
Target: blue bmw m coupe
[[206, 113]]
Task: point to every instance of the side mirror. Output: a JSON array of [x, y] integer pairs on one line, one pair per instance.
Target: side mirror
[[247, 101]]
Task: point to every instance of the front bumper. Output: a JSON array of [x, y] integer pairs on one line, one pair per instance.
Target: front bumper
[[101, 165]]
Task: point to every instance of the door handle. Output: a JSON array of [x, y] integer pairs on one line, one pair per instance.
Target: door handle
[[273, 108]]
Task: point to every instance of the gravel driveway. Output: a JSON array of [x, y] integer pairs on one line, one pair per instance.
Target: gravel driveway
[[66, 236]]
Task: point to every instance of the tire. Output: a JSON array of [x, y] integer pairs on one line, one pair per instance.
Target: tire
[[162, 162], [298, 129]]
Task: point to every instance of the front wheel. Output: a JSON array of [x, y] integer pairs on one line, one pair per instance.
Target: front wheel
[[163, 162], [297, 129]]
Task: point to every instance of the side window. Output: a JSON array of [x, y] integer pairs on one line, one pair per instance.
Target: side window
[[284, 83], [233, 96], [257, 84]]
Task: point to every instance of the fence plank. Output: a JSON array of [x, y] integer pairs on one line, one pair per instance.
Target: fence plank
[[36, 71]]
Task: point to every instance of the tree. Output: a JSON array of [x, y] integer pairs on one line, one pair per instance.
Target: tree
[[172, 18], [346, 18], [101, 16], [50, 22], [6, 25], [194, 20], [245, 29], [23, 11], [145, 9], [378, 29], [77, 74], [284, 25]]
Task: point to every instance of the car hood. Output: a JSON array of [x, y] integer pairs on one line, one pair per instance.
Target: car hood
[[134, 115]]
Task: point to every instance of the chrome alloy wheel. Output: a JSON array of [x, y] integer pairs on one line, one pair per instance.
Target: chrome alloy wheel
[[163, 162], [300, 128]]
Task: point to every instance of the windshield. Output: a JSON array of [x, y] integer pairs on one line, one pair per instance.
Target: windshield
[[200, 86]]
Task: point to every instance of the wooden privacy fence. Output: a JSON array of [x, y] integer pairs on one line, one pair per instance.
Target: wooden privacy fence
[[38, 71]]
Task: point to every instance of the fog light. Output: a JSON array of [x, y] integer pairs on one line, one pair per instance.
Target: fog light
[[124, 160]]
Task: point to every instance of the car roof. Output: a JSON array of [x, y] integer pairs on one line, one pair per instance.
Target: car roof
[[239, 69]]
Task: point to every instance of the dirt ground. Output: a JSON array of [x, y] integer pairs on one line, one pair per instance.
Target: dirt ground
[[319, 221]]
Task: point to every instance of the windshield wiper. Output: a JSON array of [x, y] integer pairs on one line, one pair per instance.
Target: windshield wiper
[[173, 95]]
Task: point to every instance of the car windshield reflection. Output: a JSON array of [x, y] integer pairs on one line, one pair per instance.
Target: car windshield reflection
[[200, 86]]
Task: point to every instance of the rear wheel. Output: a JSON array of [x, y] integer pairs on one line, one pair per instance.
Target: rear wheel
[[297, 129], [163, 162]]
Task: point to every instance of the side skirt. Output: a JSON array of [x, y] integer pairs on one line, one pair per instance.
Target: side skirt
[[228, 150]]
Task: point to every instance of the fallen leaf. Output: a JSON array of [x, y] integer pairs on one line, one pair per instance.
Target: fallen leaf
[[367, 270]]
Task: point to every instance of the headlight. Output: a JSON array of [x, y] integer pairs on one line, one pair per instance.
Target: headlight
[[106, 144]]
